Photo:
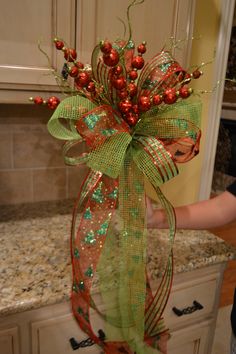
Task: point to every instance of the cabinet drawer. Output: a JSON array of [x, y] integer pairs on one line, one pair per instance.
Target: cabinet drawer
[[191, 340], [52, 336], [183, 298]]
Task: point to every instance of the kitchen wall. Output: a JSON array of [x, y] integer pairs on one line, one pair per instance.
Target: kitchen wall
[[184, 189], [31, 164]]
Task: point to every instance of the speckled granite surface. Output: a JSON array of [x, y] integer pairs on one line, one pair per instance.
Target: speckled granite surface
[[35, 258]]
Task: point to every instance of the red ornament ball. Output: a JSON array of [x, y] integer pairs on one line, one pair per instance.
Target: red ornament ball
[[142, 48], [91, 86], [119, 83], [132, 88], [144, 103], [105, 47], [82, 79], [135, 109], [59, 44], [125, 106], [184, 91], [180, 77], [137, 62], [170, 96], [123, 94], [38, 100], [70, 54], [53, 102], [117, 70], [156, 100], [187, 78], [74, 71], [79, 65], [111, 59], [196, 74], [131, 118], [133, 74]]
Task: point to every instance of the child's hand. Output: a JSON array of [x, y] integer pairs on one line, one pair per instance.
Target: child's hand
[[155, 218]]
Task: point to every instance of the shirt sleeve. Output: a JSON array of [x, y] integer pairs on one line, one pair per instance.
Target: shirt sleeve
[[232, 188]]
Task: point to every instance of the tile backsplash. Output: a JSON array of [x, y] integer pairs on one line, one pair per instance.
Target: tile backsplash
[[31, 164]]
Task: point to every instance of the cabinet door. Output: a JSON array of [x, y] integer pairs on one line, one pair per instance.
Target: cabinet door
[[22, 65], [190, 340], [154, 21], [9, 341], [24, 70], [52, 336]]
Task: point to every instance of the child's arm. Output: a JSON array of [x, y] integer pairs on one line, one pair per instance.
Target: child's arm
[[201, 215]]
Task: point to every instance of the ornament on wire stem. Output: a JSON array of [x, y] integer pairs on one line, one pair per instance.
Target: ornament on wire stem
[[52, 102]]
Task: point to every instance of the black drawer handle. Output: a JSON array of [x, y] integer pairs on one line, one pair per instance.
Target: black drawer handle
[[187, 310], [86, 342]]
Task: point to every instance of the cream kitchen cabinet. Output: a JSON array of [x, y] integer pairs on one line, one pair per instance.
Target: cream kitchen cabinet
[[52, 336], [9, 340], [196, 295], [24, 70], [193, 340], [47, 330]]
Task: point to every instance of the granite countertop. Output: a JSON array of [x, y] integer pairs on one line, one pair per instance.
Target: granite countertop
[[35, 265]]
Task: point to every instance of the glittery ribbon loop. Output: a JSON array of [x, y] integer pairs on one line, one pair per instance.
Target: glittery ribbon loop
[[154, 161], [99, 124], [160, 73], [108, 136], [176, 127], [62, 123]]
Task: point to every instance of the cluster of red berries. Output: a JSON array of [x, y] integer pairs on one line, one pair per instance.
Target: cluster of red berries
[[124, 83], [76, 69], [129, 106], [126, 87]]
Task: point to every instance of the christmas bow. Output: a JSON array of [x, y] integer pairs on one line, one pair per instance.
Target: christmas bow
[[132, 121], [120, 158], [131, 126]]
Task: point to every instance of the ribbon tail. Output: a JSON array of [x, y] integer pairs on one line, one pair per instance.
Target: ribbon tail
[[157, 305], [157, 165], [132, 265], [97, 204]]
